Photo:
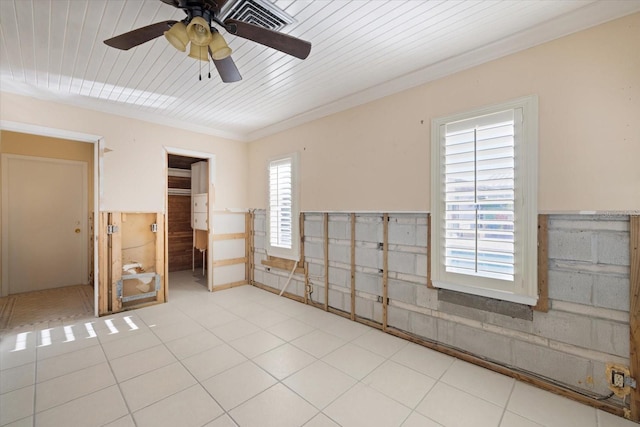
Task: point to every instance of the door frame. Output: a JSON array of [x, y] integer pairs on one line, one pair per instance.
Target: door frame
[[98, 171], [211, 160], [5, 158]]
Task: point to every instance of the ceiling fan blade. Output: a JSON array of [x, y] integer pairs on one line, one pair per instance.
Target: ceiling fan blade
[[227, 69], [279, 41], [138, 36], [174, 3]]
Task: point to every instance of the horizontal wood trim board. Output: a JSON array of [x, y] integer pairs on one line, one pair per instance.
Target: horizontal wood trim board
[[283, 264], [277, 291], [346, 315], [232, 261], [229, 285], [229, 236], [520, 376]]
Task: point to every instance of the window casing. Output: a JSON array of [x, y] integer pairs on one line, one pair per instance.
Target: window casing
[[283, 227], [484, 202]]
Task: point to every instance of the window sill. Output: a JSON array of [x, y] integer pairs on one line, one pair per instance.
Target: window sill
[[506, 308]]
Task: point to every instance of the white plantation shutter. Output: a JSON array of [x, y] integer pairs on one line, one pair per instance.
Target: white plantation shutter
[[283, 232], [480, 195], [484, 210], [280, 203]]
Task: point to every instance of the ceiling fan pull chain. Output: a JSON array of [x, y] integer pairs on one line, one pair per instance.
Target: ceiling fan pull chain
[[209, 64], [200, 62]]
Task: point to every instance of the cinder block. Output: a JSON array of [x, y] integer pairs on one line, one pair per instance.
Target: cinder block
[[477, 341], [369, 283], [611, 337], [590, 222], [423, 325], [509, 322], [259, 223], [421, 236], [563, 367], [337, 300], [339, 230], [258, 276], [570, 286], [339, 277], [316, 270], [318, 292], [613, 248], [402, 262], [611, 291], [364, 308], [368, 257], [402, 291], [571, 245], [402, 234], [398, 318], [259, 241], [416, 280], [377, 312], [564, 327], [295, 287], [314, 250], [313, 228], [369, 231], [271, 279], [600, 383], [421, 265], [427, 297], [339, 253], [400, 218], [257, 259]]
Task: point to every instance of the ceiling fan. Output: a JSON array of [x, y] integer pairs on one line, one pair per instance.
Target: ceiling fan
[[205, 40]]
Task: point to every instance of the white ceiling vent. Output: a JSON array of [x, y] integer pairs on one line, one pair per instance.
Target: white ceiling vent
[[258, 12]]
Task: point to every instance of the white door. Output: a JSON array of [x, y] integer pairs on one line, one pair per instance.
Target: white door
[[44, 223]]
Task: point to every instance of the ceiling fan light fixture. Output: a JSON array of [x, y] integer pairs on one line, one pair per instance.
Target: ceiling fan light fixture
[[177, 36], [199, 52], [199, 32], [219, 47]]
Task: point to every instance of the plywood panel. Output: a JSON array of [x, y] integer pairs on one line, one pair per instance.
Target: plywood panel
[[179, 182], [138, 241], [180, 234]]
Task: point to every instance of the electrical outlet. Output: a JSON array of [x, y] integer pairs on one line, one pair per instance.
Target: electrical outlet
[[617, 379]]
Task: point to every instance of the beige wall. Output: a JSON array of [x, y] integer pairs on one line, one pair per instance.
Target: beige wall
[[53, 148], [376, 156], [134, 176]]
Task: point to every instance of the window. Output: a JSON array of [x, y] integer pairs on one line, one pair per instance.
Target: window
[[483, 200], [283, 213]]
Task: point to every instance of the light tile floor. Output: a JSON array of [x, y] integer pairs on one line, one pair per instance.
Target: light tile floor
[[250, 358]]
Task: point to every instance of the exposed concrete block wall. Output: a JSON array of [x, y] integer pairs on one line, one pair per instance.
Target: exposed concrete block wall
[[586, 326], [272, 277]]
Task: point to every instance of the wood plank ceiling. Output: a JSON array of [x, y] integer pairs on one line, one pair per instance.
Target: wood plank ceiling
[[361, 50]]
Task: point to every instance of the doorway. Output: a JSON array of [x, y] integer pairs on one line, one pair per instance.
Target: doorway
[[44, 219], [47, 240], [187, 230]]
